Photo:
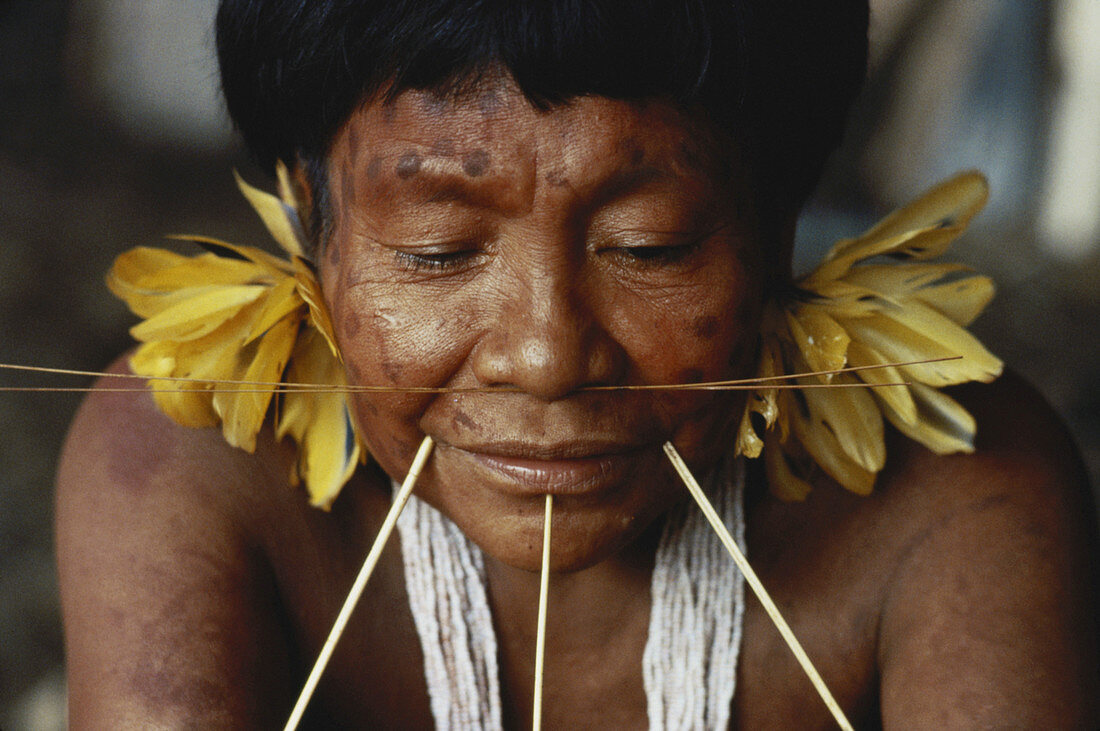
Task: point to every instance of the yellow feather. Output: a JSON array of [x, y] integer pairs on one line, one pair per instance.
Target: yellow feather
[[942, 425], [198, 315], [310, 291], [187, 404], [243, 413], [899, 343], [251, 254], [854, 420], [951, 204], [782, 480], [328, 449], [820, 443], [276, 216], [280, 302], [896, 397], [822, 342]]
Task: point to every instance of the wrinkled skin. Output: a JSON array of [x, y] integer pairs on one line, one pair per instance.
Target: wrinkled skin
[[483, 243]]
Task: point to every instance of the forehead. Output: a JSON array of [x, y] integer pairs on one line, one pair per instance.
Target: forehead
[[491, 143]]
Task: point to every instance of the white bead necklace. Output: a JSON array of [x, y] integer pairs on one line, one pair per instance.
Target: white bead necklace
[[689, 666]]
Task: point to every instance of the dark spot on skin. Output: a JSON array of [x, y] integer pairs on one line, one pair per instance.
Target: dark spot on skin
[[444, 147], [374, 167], [355, 324], [391, 369], [436, 104], [475, 163], [408, 165], [389, 112], [705, 327], [557, 178], [463, 419], [488, 103], [356, 372], [333, 254]]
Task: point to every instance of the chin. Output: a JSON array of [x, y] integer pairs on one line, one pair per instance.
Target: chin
[[586, 529]]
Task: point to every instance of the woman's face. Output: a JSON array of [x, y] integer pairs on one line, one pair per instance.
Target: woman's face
[[483, 243]]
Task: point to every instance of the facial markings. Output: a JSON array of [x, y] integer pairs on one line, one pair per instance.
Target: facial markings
[[556, 178], [408, 164], [354, 323], [391, 369], [475, 163], [489, 102], [461, 418]]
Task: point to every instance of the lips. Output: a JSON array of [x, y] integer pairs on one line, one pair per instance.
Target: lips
[[565, 468]]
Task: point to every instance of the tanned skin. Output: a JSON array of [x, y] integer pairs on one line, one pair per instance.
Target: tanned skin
[[599, 243]]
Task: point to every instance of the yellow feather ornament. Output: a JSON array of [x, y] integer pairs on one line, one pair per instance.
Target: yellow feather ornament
[[237, 313], [850, 313]]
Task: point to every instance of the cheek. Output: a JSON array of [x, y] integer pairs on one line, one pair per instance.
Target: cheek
[[703, 333], [393, 336]]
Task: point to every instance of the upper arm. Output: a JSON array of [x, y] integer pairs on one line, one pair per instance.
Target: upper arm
[[991, 617], [168, 613]]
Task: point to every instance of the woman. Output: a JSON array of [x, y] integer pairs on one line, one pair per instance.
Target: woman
[[538, 199]]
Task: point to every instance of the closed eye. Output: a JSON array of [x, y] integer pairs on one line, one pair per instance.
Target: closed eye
[[440, 261], [665, 254]]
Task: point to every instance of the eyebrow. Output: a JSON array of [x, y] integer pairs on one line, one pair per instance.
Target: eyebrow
[[484, 192]]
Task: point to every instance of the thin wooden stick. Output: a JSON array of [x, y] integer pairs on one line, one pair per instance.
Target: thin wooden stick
[[540, 637], [757, 587], [388, 524]]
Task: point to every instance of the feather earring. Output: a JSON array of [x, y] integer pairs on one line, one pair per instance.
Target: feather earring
[[237, 313]]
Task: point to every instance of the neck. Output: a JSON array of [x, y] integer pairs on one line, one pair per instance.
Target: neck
[[594, 614]]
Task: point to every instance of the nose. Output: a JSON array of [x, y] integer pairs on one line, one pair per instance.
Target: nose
[[547, 339]]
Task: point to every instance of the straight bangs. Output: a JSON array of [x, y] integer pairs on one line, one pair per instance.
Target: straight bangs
[[308, 64]]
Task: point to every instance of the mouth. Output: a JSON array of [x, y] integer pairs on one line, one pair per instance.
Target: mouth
[[567, 468]]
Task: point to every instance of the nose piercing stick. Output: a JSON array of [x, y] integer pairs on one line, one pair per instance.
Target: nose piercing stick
[[399, 501], [757, 587], [540, 637]]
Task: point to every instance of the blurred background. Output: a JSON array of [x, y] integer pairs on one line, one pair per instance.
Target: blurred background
[[112, 135]]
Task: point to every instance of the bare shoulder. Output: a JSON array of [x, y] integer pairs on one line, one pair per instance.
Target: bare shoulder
[[159, 572], [989, 616]]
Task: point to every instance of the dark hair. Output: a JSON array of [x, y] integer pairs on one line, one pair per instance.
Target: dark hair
[[779, 75]]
